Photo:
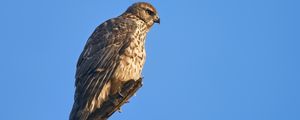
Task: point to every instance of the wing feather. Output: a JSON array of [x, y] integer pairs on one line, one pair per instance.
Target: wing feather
[[98, 61]]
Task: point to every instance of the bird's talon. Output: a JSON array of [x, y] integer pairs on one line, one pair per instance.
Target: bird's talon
[[120, 94], [119, 110]]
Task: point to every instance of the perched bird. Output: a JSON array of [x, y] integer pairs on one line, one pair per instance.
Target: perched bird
[[113, 54]]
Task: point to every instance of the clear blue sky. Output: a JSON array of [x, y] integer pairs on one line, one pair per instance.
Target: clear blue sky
[[208, 60]]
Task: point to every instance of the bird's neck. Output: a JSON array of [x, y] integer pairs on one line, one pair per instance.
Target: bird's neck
[[136, 18]]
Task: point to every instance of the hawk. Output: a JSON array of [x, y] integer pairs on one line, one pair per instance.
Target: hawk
[[113, 54]]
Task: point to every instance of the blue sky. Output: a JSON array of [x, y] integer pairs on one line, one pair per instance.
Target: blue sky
[[207, 60]]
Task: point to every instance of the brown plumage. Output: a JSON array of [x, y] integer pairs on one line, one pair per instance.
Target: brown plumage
[[113, 54]]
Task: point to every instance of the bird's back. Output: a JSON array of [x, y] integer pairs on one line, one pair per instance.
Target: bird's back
[[114, 53]]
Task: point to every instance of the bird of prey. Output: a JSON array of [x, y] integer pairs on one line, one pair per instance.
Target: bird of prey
[[113, 54]]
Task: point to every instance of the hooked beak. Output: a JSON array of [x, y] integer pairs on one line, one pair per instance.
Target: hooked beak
[[157, 20]]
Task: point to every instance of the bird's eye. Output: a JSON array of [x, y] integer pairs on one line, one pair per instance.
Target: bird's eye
[[149, 12]]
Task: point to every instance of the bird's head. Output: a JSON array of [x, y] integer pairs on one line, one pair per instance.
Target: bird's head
[[145, 12]]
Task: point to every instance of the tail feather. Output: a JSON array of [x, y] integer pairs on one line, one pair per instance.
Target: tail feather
[[83, 108]]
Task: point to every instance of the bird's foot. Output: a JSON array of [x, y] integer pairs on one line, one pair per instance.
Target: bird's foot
[[120, 94], [120, 110]]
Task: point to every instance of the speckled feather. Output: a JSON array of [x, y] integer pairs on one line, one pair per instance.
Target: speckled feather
[[114, 53]]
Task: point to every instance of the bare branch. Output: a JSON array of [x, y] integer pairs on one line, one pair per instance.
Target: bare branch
[[116, 101]]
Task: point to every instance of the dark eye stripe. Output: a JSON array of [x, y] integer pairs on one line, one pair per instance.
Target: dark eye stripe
[[149, 12]]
